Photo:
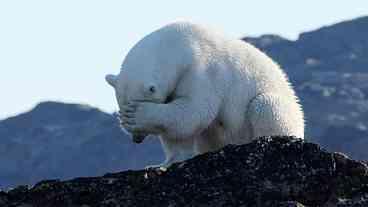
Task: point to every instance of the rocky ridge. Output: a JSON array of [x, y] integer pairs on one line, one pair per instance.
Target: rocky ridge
[[270, 171]]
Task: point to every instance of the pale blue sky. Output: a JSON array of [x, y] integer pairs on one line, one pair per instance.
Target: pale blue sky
[[61, 50]]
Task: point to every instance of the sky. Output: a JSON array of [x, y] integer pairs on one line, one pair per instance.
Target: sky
[[61, 50]]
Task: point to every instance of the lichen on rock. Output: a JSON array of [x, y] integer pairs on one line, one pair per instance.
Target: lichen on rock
[[270, 171]]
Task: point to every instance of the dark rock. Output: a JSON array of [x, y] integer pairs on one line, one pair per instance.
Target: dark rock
[[277, 171]]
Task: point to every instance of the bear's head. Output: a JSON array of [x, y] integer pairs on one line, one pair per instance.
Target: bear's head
[[152, 68], [136, 85], [139, 80]]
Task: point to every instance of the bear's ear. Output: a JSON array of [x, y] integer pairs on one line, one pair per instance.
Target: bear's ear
[[111, 79]]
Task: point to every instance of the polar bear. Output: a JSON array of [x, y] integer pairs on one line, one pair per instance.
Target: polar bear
[[199, 91]]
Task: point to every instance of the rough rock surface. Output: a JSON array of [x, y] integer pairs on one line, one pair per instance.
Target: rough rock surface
[[277, 171]]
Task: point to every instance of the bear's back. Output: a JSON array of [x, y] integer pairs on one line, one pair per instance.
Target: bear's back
[[179, 42]]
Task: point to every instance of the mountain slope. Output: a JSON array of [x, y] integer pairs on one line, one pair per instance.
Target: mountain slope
[[56, 140], [342, 47]]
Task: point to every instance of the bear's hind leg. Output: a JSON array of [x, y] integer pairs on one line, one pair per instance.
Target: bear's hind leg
[[273, 114]]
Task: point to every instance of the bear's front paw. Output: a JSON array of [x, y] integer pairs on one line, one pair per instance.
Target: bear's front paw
[[136, 117]]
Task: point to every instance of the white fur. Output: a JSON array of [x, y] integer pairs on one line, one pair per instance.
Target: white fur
[[223, 91]]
